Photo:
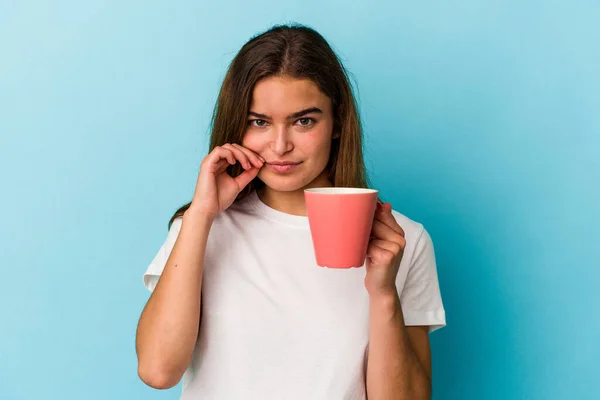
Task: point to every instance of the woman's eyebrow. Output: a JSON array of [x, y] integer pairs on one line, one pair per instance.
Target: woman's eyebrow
[[305, 111], [291, 116]]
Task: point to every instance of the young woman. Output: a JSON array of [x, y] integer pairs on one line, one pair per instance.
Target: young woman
[[239, 308]]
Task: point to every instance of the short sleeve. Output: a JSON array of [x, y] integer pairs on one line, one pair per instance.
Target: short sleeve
[[420, 297], [156, 267]]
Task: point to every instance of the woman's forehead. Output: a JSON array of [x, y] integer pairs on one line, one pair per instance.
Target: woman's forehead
[[280, 97]]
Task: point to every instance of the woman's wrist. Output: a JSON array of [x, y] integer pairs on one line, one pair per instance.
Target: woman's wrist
[[198, 216], [385, 303], [383, 294]]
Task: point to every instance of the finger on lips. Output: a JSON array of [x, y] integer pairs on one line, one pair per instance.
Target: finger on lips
[[251, 155], [257, 160], [239, 155]]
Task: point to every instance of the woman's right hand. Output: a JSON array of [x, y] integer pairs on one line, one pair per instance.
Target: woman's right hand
[[216, 189]]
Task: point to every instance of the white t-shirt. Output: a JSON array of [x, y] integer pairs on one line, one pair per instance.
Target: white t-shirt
[[277, 326]]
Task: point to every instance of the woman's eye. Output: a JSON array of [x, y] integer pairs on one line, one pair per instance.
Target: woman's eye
[[306, 121], [258, 122]]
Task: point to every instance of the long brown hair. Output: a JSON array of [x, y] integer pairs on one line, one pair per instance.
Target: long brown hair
[[296, 51]]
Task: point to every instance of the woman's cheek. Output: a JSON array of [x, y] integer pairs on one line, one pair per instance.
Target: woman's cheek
[[253, 142], [318, 139]]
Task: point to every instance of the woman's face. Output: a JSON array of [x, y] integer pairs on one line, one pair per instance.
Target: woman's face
[[290, 125]]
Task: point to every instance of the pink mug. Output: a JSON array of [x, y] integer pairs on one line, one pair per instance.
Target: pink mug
[[340, 222]]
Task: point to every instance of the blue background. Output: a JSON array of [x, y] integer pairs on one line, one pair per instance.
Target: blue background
[[482, 121]]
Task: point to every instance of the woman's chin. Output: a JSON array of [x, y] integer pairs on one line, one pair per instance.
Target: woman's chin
[[283, 183]]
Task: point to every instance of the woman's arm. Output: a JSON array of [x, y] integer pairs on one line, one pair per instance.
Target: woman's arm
[[399, 359], [168, 327]]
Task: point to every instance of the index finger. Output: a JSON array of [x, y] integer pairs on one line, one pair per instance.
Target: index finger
[[249, 153], [384, 214]]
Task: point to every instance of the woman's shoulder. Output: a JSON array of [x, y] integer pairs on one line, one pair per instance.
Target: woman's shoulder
[[411, 227], [244, 206]]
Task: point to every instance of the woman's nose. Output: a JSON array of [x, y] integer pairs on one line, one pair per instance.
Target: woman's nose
[[281, 143]]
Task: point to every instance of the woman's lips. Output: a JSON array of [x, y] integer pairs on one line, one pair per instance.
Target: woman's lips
[[282, 167]]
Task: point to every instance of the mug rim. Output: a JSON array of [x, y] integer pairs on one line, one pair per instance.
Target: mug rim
[[341, 190]]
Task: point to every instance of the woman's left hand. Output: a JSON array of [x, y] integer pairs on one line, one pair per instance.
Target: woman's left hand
[[384, 253]]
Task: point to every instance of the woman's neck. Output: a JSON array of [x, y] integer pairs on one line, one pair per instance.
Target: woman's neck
[[287, 202], [290, 202]]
